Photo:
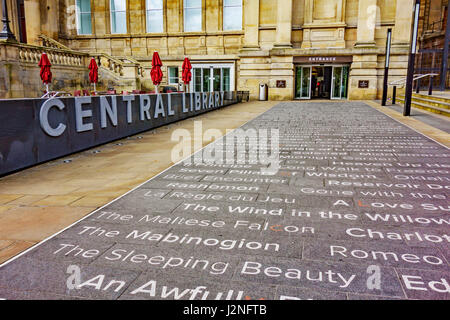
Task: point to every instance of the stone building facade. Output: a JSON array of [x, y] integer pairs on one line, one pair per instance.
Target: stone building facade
[[300, 48]]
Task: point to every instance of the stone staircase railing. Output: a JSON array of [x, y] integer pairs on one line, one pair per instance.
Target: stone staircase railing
[[52, 43], [109, 63], [32, 54], [113, 64], [130, 60], [122, 73]]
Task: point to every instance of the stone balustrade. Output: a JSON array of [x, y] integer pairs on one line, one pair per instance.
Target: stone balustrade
[[32, 54], [51, 43], [134, 64], [112, 64], [70, 68]]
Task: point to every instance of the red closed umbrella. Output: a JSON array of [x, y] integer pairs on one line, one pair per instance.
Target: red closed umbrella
[[156, 72], [186, 74], [93, 73], [46, 73]]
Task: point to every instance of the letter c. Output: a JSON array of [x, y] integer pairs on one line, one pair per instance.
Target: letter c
[[349, 232], [43, 117]]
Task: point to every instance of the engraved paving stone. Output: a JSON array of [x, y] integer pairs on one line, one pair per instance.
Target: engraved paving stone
[[357, 207]]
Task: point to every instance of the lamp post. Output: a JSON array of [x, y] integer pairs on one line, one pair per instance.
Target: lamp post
[[411, 62], [6, 33], [386, 67]]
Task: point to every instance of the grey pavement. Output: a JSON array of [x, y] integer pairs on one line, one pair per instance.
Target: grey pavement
[[358, 209], [436, 121]]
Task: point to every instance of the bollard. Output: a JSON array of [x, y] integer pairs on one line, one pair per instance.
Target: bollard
[[418, 86], [394, 94], [430, 87]]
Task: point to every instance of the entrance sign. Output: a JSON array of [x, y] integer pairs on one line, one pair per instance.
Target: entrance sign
[[66, 125], [323, 59]]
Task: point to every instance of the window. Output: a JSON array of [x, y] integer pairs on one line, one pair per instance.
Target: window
[[118, 16], [197, 79], [192, 15], [232, 15], [173, 75], [226, 79], [212, 77], [84, 23], [154, 16]]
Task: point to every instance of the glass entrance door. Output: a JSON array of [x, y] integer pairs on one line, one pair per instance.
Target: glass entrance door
[[339, 82], [206, 79], [209, 79], [303, 84], [216, 79]]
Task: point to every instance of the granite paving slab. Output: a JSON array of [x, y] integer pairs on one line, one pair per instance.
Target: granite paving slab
[[355, 206]]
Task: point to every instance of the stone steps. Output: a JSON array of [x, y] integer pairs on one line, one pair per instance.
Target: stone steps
[[440, 102], [438, 105], [432, 97]]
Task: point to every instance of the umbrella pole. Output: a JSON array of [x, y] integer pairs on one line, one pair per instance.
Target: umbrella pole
[[95, 87], [47, 88]]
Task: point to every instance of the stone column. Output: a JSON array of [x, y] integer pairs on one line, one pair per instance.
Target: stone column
[[100, 25], [33, 19], [284, 24], [51, 26], [173, 15], [251, 24], [212, 16], [367, 18], [137, 15], [340, 16], [403, 20], [309, 7]]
